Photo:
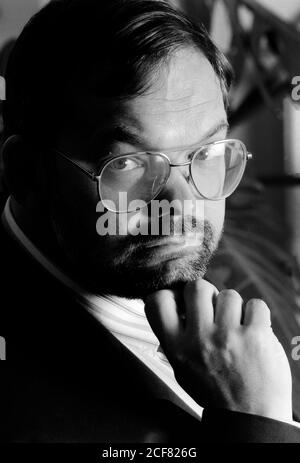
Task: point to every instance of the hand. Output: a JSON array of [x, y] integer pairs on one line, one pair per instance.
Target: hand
[[223, 356]]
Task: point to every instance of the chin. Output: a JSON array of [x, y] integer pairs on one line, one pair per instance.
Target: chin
[[133, 270], [138, 282]]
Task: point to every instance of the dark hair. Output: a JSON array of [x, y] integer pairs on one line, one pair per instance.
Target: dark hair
[[112, 47]]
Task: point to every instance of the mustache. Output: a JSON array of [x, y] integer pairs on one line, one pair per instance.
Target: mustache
[[170, 226], [134, 246]]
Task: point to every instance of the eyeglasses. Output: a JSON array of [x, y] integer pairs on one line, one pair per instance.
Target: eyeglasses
[[215, 171]]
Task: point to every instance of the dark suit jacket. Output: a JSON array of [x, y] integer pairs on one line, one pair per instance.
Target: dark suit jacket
[[68, 380]]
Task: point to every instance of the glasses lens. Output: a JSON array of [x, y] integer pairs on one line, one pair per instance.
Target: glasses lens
[[217, 169], [140, 176]]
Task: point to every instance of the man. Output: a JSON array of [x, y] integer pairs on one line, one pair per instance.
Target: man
[[109, 104]]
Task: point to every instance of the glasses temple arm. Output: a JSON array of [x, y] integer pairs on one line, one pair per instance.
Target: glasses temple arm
[[74, 163]]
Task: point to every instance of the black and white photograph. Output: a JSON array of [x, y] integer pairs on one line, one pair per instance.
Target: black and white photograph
[[150, 226]]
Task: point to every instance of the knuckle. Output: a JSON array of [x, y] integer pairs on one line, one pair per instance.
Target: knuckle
[[196, 285], [256, 303], [200, 285], [229, 293], [158, 299]]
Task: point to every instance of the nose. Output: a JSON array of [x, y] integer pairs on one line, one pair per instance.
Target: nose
[[178, 189]]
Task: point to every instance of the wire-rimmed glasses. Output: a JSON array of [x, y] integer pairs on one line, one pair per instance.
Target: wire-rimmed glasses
[[215, 170]]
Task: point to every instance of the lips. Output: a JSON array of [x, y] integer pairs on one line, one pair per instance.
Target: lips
[[165, 242], [166, 250]]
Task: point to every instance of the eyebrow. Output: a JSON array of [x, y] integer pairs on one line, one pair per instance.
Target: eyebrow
[[126, 134], [223, 125]]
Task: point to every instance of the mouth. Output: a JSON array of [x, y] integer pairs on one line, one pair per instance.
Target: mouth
[[167, 250], [175, 243], [167, 242]]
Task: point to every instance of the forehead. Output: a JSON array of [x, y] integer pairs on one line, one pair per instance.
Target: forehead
[[184, 101]]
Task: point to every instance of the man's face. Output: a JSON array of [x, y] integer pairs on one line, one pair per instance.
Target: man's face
[[182, 110]]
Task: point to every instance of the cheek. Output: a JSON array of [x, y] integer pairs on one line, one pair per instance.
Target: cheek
[[114, 227], [214, 212]]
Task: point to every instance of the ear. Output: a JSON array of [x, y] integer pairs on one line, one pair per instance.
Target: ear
[[19, 168]]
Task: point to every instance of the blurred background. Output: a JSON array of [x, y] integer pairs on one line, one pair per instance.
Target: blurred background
[[260, 252]]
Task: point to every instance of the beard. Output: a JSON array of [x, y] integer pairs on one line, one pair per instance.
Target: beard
[[124, 265], [133, 275]]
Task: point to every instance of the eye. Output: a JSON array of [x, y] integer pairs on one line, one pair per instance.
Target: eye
[[124, 164], [202, 154], [198, 153]]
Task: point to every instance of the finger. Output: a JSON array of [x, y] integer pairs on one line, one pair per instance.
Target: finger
[[228, 312], [161, 312], [199, 296], [257, 313]]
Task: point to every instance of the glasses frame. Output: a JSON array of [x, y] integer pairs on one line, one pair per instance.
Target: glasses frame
[[96, 177]]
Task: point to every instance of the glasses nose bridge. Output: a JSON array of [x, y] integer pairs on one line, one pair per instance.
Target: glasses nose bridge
[[180, 164], [188, 164], [173, 164], [185, 178]]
